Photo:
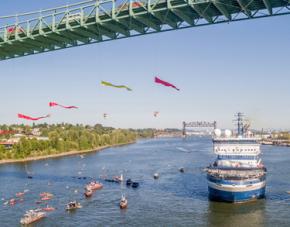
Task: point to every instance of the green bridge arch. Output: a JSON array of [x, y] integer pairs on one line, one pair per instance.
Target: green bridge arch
[[96, 21]]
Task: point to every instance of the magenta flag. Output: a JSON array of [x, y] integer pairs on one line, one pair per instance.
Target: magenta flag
[[159, 81], [32, 118]]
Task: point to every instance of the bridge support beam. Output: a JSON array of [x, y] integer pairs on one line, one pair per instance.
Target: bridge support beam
[[133, 24], [183, 16], [164, 19], [222, 9], [147, 23], [200, 11], [244, 6], [268, 6]]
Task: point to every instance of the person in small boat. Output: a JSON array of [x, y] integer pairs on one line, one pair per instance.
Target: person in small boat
[[123, 202]]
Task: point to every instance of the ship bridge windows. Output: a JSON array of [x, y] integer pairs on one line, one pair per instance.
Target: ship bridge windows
[[244, 142], [237, 157]]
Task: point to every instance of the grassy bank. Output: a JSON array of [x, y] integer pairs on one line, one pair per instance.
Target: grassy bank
[[68, 153]]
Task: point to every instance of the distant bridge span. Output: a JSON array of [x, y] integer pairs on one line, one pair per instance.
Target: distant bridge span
[[96, 21], [197, 124]]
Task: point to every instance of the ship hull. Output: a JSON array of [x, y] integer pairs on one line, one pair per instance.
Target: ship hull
[[237, 192]]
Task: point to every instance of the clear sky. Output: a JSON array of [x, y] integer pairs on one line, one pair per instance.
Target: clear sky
[[220, 69]]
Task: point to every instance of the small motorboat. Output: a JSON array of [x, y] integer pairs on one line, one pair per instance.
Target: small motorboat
[[48, 208], [46, 194], [19, 194], [12, 202], [118, 179], [29, 177], [156, 176], [181, 170], [111, 180], [135, 184], [88, 193], [45, 198], [94, 185], [73, 206], [32, 216], [123, 202], [129, 182]]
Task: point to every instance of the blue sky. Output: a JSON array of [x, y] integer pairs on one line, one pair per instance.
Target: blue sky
[[220, 69]]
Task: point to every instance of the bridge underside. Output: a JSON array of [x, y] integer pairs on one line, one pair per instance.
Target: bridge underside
[[104, 21]]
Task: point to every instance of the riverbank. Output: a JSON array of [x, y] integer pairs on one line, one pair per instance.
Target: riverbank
[[275, 142], [69, 153]]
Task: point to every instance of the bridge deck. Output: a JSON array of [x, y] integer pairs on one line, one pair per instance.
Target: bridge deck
[[98, 21]]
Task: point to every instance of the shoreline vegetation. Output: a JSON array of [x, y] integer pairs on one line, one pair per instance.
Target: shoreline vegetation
[[43, 141], [277, 139], [64, 154]]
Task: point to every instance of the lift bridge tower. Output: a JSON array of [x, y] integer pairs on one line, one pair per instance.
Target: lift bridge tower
[[197, 124]]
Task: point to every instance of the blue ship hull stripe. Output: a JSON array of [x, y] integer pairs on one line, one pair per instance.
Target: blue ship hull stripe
[[225, 196]]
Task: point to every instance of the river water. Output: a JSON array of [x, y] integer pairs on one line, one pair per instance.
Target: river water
[[175, 199]]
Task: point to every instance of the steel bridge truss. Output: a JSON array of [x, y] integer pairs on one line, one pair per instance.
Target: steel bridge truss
[[197, 124], [98, 21]]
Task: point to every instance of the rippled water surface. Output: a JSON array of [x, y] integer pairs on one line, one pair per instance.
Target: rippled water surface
[[175, 199]]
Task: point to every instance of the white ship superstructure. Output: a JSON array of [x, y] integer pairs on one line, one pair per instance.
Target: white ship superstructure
[[238, 173]]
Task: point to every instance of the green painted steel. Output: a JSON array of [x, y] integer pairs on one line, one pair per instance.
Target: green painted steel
[[98, 21]]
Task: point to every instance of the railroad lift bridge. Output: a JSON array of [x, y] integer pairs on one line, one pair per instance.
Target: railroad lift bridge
[[197, 124], [96, 21]]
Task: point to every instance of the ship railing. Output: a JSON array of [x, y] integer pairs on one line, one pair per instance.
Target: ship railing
[[236, 173]]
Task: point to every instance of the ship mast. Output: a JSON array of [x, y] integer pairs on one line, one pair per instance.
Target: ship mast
[[240, 123]]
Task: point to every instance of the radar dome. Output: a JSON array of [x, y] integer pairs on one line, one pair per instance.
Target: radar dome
[[217, 132], [228, 133]]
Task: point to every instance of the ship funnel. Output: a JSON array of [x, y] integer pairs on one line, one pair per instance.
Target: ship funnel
[[228, 133]]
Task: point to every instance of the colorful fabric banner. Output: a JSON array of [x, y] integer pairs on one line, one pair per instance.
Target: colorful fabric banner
[[32, 118], [115, 86], [159, 81], [52, 104]]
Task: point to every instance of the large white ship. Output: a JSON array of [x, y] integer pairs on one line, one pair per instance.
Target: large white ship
[[237, 174]]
